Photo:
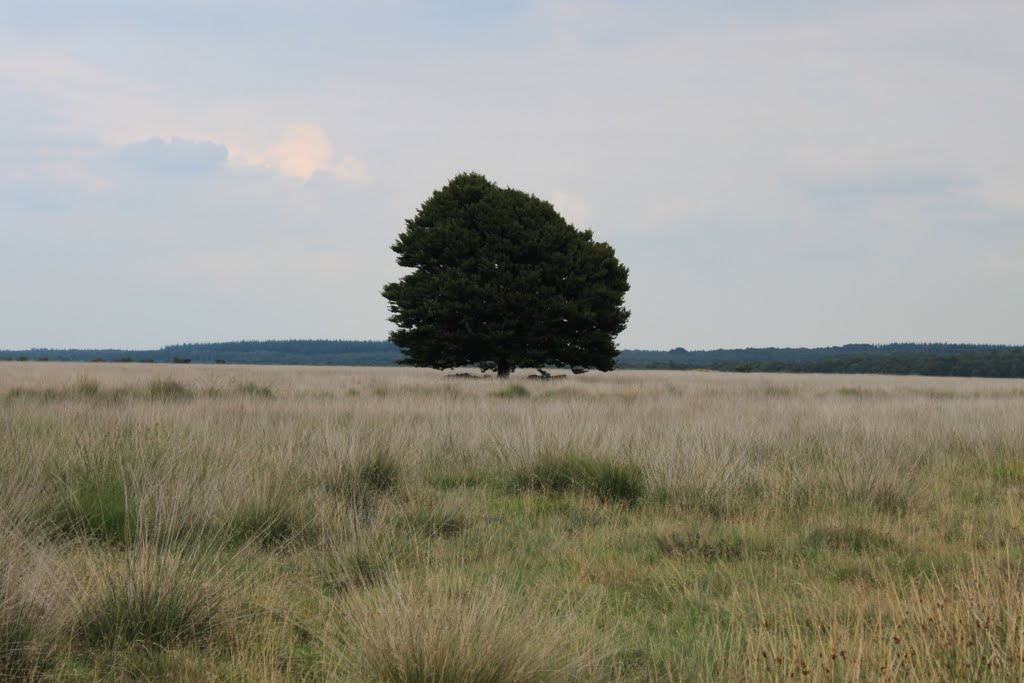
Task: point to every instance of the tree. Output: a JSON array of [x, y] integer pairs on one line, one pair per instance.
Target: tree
[[500, 280]]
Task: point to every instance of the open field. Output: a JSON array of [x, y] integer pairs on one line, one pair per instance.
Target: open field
[[283, 523]]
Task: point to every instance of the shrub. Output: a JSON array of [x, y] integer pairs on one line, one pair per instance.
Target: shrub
[[607, 480]]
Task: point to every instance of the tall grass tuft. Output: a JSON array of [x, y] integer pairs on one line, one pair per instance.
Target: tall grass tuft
[[95, 500], [442, 629], [364, 478], [157, 599], [513, 390], [28, 627], [605, 479], [275, 515], [169, 390], [255, 389]]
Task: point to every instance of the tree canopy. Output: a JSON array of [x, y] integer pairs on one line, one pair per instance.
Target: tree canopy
[[500, 280]]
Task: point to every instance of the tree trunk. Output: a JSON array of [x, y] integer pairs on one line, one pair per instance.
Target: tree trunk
[[504, 369]]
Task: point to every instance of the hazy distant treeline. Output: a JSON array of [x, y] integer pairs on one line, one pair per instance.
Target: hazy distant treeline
[[963, 360]]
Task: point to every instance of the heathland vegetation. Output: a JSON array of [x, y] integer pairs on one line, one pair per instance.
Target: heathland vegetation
[[186, 522]]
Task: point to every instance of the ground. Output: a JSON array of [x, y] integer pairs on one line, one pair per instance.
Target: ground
[[185, 522]]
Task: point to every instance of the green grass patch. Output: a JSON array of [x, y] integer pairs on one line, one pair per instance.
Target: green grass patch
[[274, 516], [437, 520], [170, 390], [694, 545], [94, 500], [855, 539], [606, 480], [362, 481], [1009, 472], [513, 390]]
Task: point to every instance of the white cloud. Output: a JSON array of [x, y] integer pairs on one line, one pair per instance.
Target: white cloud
[[303, 150]]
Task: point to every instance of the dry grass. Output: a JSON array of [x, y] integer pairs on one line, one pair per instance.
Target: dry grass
[[272, 523]]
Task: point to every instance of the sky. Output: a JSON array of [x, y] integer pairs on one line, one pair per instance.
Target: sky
[[793, 173]]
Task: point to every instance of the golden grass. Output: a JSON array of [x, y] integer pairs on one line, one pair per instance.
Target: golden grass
[[392, 524]]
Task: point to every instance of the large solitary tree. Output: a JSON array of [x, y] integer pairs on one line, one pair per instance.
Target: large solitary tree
[[500, 280]]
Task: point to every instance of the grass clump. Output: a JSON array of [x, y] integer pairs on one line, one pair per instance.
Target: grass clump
[[364, 479], [254, 389], [856, 539], [158, 600], [439, 520], [513, 390], [169, 390], [275, 517], [693, 545], [95, 501], [24, 650], [440, 629], [607, 480]]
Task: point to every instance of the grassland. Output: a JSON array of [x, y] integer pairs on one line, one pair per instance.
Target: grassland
[[269, 523]]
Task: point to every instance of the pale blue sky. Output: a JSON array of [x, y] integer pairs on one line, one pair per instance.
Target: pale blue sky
[[786, 173]]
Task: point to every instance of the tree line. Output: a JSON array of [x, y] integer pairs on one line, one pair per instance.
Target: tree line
[[954, 360]]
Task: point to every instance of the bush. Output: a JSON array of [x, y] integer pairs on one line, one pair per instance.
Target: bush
[[607, 480]]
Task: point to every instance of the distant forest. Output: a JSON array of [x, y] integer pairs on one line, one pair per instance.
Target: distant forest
[[960, 360]]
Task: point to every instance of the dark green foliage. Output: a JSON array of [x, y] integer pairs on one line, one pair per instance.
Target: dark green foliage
[[607, 480], [501, 281], [960, 360], [952, 360], [855, 539]]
